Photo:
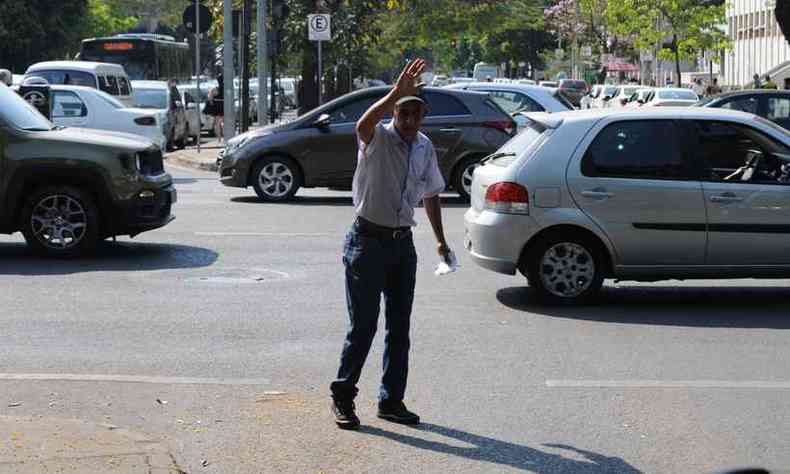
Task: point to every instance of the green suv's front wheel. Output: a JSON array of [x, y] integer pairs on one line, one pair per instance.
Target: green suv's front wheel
[[61, 221]]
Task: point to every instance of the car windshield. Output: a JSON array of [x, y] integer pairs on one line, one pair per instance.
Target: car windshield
[[609, 91], [629, 91], [678, 95], [150, 98], [577, 85], [69, 78], [109, 99], [561, 99], [17, 113], [519, 144]]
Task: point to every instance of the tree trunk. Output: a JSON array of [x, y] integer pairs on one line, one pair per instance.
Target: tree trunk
[[677, 60], [308, 87]]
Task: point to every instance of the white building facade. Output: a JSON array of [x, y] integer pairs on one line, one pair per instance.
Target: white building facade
[[758, 46]]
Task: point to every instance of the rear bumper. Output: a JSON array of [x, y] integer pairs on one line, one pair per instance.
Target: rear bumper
[[495, 241]]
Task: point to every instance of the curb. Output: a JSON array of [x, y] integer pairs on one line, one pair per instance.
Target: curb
[[190, 161]]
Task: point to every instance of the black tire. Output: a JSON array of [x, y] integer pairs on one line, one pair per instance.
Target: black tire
[[460, 176], [587, 287], [182, 143], [52, 209], [285, 178]]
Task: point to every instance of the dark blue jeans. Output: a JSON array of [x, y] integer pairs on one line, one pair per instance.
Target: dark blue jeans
[[376, 266]]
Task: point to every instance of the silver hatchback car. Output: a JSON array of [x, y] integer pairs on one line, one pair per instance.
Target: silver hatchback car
[[641, 195]]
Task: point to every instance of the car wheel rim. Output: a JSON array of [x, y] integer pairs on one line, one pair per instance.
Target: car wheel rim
[[276, 179], [567, 270], [59, 222], [466, 177]]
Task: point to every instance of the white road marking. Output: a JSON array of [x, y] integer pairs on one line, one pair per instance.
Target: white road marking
[[732, 384], [134, 379], [261, 234]]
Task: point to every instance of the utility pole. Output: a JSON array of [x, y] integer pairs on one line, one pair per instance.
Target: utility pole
[[227, 67], [197, 72], [263, 56], [244, 45]]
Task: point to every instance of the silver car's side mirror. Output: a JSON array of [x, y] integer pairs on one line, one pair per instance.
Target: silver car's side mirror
[[323, 121]]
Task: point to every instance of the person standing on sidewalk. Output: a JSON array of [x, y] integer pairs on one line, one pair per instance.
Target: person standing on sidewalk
[[396, 167]]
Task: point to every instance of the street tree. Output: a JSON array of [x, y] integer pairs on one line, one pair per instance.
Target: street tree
[[678, 29], [103, 20], [782, 11], [38, 30]]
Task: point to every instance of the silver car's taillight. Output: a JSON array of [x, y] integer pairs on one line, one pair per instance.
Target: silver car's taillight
[[507, 198]]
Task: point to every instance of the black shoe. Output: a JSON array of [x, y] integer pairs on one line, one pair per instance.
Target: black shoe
[[397, 412], [345, 417]]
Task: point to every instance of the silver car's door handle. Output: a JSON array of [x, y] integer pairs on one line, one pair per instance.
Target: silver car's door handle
[[597, 193], [450, 130], [726, 197]]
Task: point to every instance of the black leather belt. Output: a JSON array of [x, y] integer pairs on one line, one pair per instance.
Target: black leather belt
[[365, 227]]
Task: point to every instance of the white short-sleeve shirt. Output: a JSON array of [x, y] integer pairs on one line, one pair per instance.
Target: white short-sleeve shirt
[[392, 177]]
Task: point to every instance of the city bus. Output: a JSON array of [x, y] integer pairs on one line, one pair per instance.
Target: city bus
[[144, 56]]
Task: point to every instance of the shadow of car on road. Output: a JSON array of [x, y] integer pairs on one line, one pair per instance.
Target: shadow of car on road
[[694, 306], [16, 259], [505, 453]]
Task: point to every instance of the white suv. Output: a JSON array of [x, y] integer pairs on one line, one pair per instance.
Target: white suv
[[646, 194]]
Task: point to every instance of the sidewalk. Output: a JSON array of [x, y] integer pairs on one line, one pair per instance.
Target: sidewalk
[[206, 160], [41, 444], [189, 157]]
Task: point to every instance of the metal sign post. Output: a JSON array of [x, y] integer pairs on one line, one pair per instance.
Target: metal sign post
[[319, 29], [197, 73]]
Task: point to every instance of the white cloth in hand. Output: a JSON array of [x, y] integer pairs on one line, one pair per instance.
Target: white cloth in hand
[[448, 264]]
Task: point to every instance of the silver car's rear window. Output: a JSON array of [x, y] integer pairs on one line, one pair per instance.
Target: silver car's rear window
[[519, 144]]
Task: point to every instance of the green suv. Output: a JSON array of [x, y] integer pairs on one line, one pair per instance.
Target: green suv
[[66, 189]]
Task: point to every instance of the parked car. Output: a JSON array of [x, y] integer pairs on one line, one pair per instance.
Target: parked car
[[518, 99], [319, 149], [66, 189], [621, 96], [671, 97], [573, 90], [648, 194], [639, 98], [83, 107], [600, 101], [110, 78], [168, 103], [194, 121], [439, 80], [587, 100], [206, 121], [773, 105]]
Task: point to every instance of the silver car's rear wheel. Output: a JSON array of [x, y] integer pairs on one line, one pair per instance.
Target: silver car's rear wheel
[[276, 179], [565, 269]]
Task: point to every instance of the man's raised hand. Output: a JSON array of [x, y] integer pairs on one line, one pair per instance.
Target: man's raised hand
[[407, 82]]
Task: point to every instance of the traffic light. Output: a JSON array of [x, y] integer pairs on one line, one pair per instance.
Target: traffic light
[[280, 10]]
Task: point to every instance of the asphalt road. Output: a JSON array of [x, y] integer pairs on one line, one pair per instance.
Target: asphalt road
[[233, 318]]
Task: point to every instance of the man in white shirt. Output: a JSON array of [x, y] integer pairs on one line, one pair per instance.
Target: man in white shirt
[[396, 168]]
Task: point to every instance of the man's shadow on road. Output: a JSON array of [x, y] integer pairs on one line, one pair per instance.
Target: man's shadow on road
[[506, 454]]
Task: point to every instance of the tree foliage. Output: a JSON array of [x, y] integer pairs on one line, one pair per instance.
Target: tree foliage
[[103, 20], [679, 29], [782, 11], [38, 30]]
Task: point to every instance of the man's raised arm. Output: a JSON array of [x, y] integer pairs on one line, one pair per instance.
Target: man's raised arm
[[366, 126]]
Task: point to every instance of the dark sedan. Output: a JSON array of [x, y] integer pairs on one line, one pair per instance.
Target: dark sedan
[[319, 149], [773, 105]]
